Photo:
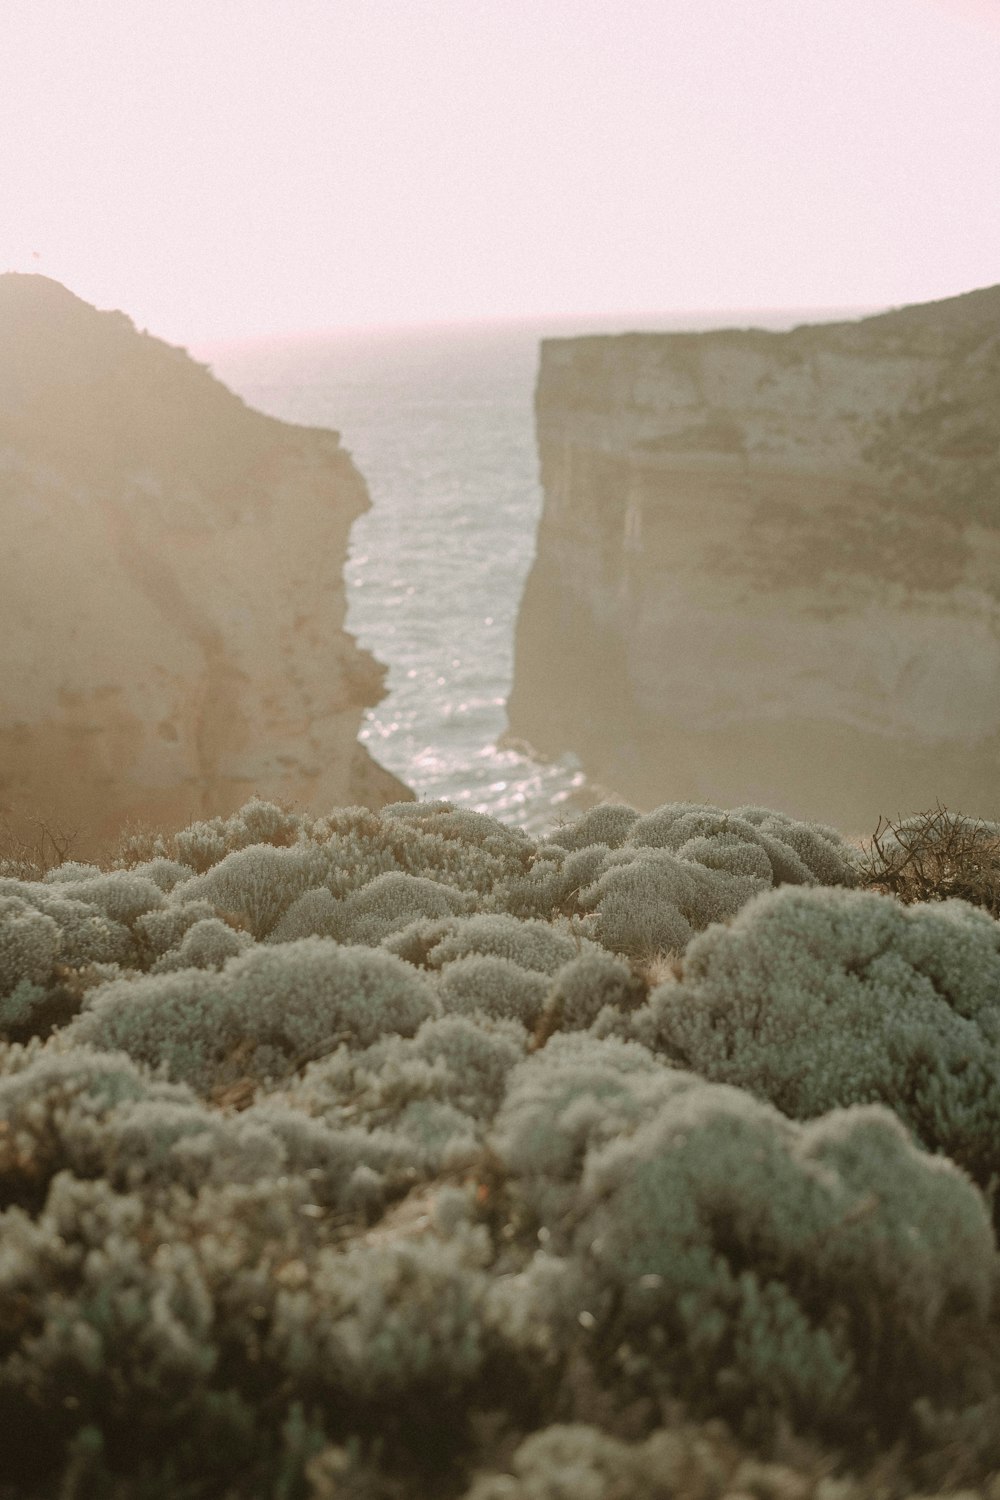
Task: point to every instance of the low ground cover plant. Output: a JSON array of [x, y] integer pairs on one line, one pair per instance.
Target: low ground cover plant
[[402, 1154]]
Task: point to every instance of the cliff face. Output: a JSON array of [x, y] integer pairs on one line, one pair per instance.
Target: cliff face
[[171, 592], [768, 567]]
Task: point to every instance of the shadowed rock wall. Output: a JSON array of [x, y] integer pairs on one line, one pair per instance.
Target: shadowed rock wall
[[171, 591], [768, 567]]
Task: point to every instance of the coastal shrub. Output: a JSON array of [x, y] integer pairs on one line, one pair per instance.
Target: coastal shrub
[[185, 1021], [576, 1461], [587, 986], [99, 1115], [798, 852], [530, 944], [571, 1095], [319, 987], [486, 984], [70, 871], [651, 881], [581, 867], [206, 944], [682, 1461], [120, 895], [552, 883], [29, 944], [683, 867], [391, 902], [456, 1061], [155, 1142], [455, 846], [347, 851], [158, 932], [387, 1324], [50, 957], [700, 862], [316, 913], [91, 938], [370, 1087], [376, 1135], [205, 843], [537, 889], [417, 941], [889, 1226], [276, 1005], [610, 823], [373, 914], [163, 872], [727, 851], [478, 1059], [165, 1328], [652, 901], [87, 935], [351, 1168], [830, 1271], [829, 858], [815, 998], [258, 883], [96, 1323], [24, 1010], [446, 821]]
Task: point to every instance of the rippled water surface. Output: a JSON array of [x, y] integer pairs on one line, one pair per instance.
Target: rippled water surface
[[441, 424]]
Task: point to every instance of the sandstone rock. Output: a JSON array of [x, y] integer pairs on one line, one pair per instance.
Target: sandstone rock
[[171, 592], [768, 566]]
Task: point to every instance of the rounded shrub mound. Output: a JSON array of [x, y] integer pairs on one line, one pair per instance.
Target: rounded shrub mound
[[797, 852], [814, 998], [29, 944], [650, 901], [831, 1272], [649, 883], [271, 1006], [575, 1461], [362, 1154], [491, 986]]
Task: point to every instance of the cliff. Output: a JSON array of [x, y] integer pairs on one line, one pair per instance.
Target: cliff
[[768, 566], [171, 598]]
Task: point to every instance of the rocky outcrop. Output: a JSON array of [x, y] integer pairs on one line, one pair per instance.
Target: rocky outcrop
[[768, 567], [171, 592]]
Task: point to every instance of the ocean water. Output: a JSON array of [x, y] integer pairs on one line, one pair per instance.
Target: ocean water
[[440, 422]]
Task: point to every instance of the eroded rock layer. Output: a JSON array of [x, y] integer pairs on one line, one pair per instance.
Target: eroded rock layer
[[171, 592], [768, 567]]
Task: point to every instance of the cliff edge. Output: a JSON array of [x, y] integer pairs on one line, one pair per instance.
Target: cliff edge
[[768, 566], [171, 592]]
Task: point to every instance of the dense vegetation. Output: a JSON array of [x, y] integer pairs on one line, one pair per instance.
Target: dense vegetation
[[404, 1155]]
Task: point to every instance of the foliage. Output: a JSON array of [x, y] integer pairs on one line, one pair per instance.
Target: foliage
[[363, 1154], [819, 998]]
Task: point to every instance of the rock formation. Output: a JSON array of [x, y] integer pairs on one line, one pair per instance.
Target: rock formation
[[171, 591], [768, 566]]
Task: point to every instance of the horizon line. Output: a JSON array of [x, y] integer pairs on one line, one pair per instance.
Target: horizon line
[[823, 312]]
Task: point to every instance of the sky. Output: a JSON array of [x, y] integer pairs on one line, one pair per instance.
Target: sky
[[232, 168]]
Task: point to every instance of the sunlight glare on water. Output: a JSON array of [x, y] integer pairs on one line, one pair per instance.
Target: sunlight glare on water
[[441, 425], [440, 421]]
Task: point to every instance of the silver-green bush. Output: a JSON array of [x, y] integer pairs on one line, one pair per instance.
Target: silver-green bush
[[276, 1004], [820, 998], [362, 1148]]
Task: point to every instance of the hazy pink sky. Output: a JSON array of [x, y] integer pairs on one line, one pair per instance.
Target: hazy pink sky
[[229, 167]]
